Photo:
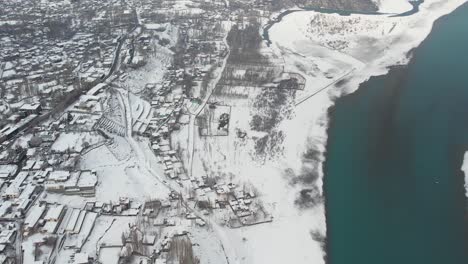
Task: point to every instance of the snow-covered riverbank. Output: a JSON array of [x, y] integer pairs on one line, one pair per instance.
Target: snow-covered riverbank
[[393, 6], [323, 47]]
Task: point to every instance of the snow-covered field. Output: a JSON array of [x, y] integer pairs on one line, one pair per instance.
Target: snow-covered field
[[121, 178], [393, 6], [383, 41], [324, 49], [155, 67], [76, 141]]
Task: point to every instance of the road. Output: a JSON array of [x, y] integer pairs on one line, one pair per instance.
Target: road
[[71, 98], [2, 68], [115, 62], [307, 97], [59, 108], [19, 241], [148, 164], [193, 116]]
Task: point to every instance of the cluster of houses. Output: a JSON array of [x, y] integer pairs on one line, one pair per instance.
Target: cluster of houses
[[23, 115], [45, 217], [173, 167], [123, 207], [8, 238], [137, 243], [48, 223], [39, 68], [167, 103], [170, 101], [166, 223], [241, 201], [82, 182], [26, 170], [77, 47], [19, 191]]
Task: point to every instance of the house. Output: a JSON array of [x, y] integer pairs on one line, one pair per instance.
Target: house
[[33, 217], [8, 171], [55, 213], [81, 258], [13, 191], [24, 199], [59, 176], [7, 236], [124, 202], [53, 218], [72, 183], [29, 109], [87, 182], [9, 132], [73, 220], [5, 208]]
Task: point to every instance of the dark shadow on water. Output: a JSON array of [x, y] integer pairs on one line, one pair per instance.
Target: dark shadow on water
[[393, 185]]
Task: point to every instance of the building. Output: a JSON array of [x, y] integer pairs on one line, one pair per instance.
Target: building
[[53, 218], [29, 109], [14, 190], [72, 183], [7, 236], [9, 132], [33, 217]]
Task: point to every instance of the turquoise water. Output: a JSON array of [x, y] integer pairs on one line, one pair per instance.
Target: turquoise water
[[394, 190]]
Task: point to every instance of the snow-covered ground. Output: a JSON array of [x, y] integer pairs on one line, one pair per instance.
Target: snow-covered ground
[[393, 6], [121, 178], [76, 141], [28, 247], [389, 39], [289, 236], [323, 48], [383, 41], [155, 67]]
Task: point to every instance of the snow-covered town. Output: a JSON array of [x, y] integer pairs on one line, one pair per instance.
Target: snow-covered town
[[177, 131]]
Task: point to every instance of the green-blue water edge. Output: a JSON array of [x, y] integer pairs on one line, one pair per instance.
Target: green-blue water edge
[[393, 185]]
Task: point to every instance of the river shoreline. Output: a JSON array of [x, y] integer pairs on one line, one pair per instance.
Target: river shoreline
[[396, 73], [311, 117], [394, 78]]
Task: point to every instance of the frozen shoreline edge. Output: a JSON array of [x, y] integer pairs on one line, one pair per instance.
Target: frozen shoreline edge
[[464, 168], [430, 12]]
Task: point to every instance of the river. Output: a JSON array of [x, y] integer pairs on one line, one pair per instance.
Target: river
[[393, 186]]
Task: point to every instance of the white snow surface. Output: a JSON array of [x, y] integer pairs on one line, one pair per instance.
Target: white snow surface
[[76, 141], [464, 168], [393, 6], [117, 178], [383, 41], [323, 54]]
